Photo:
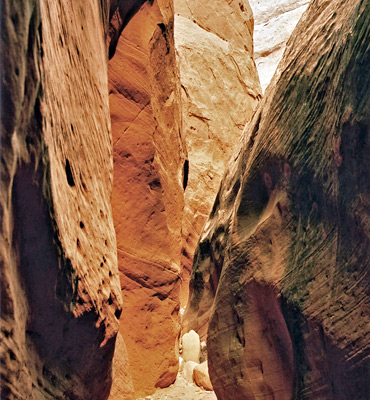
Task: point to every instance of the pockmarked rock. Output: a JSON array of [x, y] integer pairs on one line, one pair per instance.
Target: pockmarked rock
[[60, 289], [287, 244]]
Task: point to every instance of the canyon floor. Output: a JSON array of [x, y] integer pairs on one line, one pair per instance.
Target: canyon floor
[[181, 389]]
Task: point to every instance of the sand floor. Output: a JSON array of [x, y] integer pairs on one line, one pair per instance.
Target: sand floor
[[181, 389]]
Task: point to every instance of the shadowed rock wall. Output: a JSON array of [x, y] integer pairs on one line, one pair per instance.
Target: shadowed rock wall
[[60, 293], [282, 267]]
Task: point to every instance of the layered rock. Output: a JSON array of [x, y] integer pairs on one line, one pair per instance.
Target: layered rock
[[60, 293], [219, 91], [273, 25], [286, 248], [147, 196]]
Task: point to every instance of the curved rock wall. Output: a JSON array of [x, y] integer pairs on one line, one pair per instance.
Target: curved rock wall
[[147, 196], [60, 294], [285, 252]]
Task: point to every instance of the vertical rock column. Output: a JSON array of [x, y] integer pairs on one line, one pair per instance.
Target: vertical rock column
[[60, 293], [147, 193], [219, 91]]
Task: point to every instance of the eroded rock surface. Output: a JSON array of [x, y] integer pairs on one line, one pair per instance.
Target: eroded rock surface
[[60, 292], [273, 25], [219, 91], [148, 194], [287, 243]]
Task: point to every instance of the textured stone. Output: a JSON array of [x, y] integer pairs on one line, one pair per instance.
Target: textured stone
[[219, 91], [190, 346], [122, 386], [147, 196], [286, 247], [201, 376], [60, 293], [273, 25]]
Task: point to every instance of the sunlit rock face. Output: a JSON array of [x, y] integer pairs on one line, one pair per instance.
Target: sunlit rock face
[[274, 22], [148, 192], [60, 291], [285, 252], [219, 91]]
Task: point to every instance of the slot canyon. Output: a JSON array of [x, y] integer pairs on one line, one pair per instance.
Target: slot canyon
[[185, 200]]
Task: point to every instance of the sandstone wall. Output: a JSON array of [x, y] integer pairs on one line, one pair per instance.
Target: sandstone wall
[[285, 252], [60, 293], [147, 193], [219, 91], [273, 25]]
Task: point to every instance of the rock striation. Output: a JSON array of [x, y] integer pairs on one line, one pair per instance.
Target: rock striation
[[285, 252], [219, 91], [148, 195], [60, 290], [273, 25]]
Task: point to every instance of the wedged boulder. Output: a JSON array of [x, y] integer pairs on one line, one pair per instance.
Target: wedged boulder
[[201, 376], [219, 91], [190, 346], [287, 244], [60, 290], [147, 198]]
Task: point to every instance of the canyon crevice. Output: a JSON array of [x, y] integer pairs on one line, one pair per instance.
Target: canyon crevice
[[148, 190]]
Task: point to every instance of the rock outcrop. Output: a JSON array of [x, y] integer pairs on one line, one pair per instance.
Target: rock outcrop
[[273, 25], [219, 91], [60, 291], [147, 196], [286, 249], [201, 376]]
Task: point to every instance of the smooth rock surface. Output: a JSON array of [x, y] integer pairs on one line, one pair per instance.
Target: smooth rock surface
[[147, 196], [60, 291], [188, 370], [190, 346], [273, 24], [219, 91], [201, 376], [287, 244]]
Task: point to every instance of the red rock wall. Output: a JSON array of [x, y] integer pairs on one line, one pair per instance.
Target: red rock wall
[[147, 193], [282, 267], [60, 294]]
